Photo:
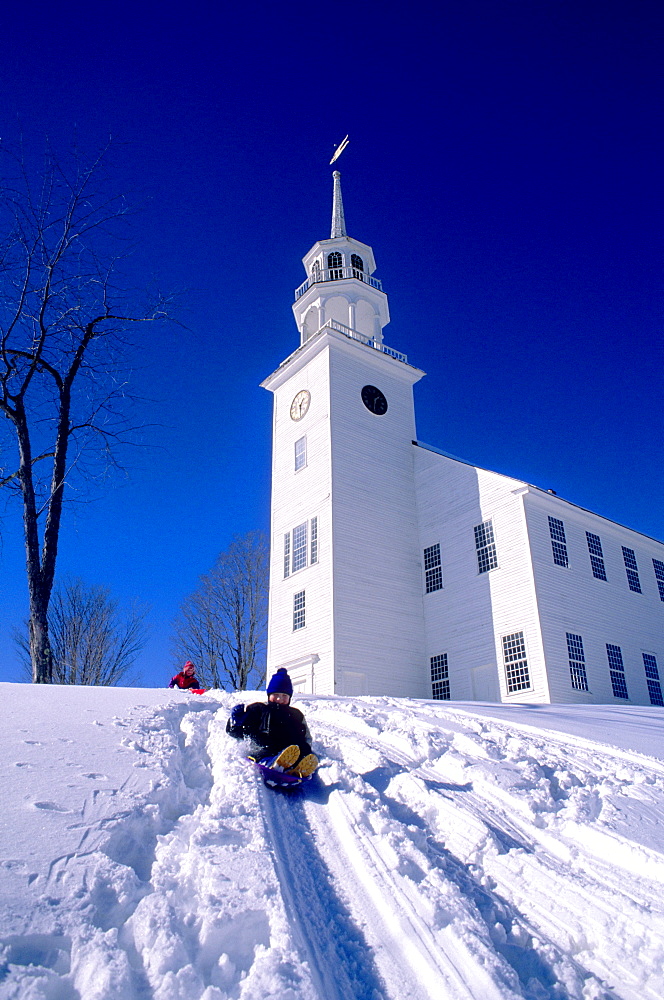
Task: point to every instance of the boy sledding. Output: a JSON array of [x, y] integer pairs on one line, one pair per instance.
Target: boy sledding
[[277, 734]]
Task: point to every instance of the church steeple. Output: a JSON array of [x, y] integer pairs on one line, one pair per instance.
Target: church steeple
[[338, 221], [340, 289]]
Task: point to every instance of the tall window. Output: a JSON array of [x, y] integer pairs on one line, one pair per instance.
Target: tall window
[[596, 555], [314, 540], [301, 546], [516, 663], [558, 541], [440, 683], [658, 566], [315, 271], [300, 453], [632, 570], [652, 679], [433, 570], [617, 671], [287, 554], [577, 662], [298, 611], [357, 264], [335, 265], [485, 545]]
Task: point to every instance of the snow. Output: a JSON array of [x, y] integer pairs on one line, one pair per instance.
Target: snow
[[444, 850]]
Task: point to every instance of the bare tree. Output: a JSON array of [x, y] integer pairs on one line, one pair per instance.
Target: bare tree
[[92, 640], [63, 321], [222, 626]]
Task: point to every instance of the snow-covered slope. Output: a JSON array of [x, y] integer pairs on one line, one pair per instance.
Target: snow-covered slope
[[444, 851]]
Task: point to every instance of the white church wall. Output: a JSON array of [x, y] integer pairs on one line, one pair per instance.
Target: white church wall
[[377, 578], [468, 617], [297, 497], [572, 600]]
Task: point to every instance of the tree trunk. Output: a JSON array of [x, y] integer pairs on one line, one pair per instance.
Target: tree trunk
[[40, 650]]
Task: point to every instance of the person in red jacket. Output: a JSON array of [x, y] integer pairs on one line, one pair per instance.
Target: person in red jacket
[[186, 678]]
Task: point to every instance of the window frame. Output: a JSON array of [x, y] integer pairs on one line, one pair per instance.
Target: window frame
[[299, 610], [577, 663], [558, 542], [515, 662], [632, 571], [440, 678], [653, 679], [433, 569], [617, 671], [485, 546], [301, 456], [658, 567], [596, 554]]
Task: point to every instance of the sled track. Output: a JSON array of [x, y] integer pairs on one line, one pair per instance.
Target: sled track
[[323, 929], [497, 853]]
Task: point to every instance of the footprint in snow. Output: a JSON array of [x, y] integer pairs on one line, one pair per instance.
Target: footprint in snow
[[51, 806], [95, 776]]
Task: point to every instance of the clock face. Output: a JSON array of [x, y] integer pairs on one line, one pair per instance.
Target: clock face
[[374, 400], [300, 404]]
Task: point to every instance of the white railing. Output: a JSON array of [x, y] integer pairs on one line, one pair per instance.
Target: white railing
[[336, 274], [334, 324]]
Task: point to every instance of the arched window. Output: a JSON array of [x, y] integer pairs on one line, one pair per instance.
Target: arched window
[[335, 266], [358, 266], [315, 271]]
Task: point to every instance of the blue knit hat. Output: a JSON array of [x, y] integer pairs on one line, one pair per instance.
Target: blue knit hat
[[280, 683]]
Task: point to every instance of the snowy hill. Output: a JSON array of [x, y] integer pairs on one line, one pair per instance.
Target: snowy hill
[[445, 851]]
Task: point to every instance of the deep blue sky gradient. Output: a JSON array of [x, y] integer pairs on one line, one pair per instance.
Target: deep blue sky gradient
[[505, 164]]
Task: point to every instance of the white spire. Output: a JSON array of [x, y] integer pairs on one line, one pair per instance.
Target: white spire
[[338, 221]]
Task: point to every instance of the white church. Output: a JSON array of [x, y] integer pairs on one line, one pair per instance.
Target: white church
[[397, 569]]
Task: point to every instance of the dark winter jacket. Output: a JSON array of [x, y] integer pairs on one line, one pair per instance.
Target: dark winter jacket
[[183, 681], [270, 727]]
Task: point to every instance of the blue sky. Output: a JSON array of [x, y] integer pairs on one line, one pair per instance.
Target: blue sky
[[505, 164]]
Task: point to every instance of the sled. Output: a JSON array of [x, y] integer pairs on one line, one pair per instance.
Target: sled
[[278, 779]]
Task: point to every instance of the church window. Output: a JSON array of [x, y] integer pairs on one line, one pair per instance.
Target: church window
[[300, 453], [298, 611], [577, 662], [314, 540], [315, 271], [299, 547], [652, 679], [596, 555], [617, 671], [632, 570], [485, 544], [558, 541], [433, 570], [299, 543], [516, 662], [287, 554], [658, 566], [440, 683], [335, 266], [357, 265]]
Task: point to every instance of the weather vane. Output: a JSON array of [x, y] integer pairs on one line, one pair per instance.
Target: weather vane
[[339, 150]]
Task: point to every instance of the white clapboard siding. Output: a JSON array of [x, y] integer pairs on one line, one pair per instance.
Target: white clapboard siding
[[364, 623], [296, 498], [379, 629], [572, 600], [468, 617]]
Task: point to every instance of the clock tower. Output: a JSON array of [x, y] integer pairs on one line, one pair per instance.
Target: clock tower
[[346, 608]]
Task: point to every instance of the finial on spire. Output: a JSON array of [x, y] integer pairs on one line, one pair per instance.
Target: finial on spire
[[338, 221]]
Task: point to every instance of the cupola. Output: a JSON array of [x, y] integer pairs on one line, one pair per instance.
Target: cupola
[[340, 290]]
